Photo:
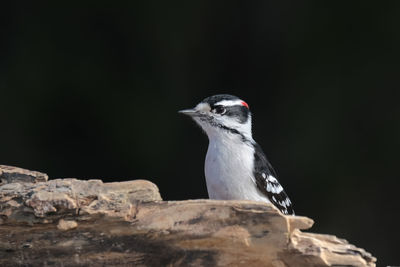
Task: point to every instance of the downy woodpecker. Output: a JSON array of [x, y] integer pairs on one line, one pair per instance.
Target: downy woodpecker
[[235, 166]]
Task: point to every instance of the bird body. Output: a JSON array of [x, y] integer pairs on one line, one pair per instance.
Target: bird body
[[229, 169], [235, 165]]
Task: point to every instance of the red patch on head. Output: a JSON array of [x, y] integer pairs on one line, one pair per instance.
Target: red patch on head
[[245, 104]]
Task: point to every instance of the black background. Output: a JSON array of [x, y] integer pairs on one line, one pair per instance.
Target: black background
[[92, 90]]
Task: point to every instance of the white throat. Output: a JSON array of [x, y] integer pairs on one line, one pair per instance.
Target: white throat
[[217, 133]]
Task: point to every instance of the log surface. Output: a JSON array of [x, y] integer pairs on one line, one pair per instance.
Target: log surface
[[70, 222]]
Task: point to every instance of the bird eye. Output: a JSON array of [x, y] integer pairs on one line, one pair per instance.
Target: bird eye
[[219, 110]]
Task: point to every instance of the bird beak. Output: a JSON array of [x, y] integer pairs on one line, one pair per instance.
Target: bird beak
[[189, 112]]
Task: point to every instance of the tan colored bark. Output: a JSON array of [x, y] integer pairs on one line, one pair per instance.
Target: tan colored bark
[[70, 222]]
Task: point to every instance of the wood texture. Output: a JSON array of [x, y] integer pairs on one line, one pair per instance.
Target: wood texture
[[70, 222]]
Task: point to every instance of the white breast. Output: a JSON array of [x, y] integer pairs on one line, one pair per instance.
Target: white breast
[[229, 170]]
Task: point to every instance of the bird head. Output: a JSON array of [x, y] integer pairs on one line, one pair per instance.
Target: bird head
[[219, 115]]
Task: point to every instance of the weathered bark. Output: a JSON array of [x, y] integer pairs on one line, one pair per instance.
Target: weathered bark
[[70, 222]]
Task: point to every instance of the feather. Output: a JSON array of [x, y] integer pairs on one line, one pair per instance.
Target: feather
[[267, 183]]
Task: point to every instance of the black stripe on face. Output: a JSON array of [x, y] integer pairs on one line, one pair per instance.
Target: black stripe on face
[[212, 122], [234, 131], [241, 113]]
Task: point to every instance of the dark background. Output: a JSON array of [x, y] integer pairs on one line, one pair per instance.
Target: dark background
[[92, 91]]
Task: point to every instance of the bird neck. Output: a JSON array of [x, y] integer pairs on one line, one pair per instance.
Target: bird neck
[[229, 137]]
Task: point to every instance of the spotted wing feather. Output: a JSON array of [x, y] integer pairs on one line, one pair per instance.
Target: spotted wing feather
[[267, 183]]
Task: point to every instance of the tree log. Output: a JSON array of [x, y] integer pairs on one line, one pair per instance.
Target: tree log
[[70, 222]]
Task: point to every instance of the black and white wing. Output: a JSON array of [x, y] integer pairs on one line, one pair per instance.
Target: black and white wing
[[268, 184]]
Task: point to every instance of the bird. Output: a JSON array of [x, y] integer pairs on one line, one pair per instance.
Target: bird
[[236, 167]]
